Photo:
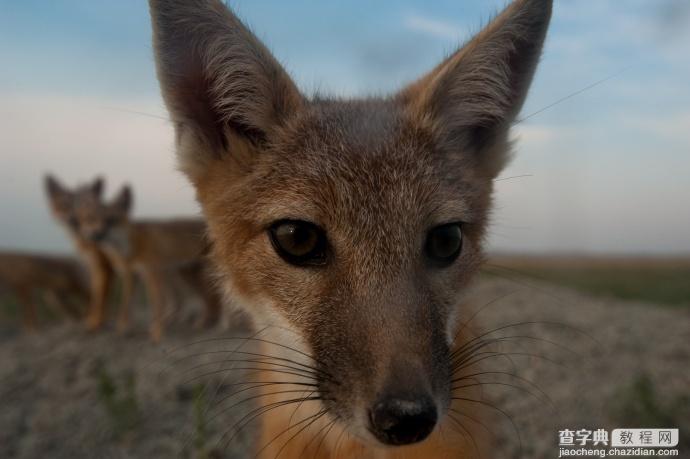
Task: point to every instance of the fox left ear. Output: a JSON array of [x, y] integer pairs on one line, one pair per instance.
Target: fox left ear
[[473, 96], [123, 201], [223, 88], [53, 187]]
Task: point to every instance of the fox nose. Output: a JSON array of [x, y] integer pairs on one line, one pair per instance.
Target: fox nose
[[402, 421], [98, 235]]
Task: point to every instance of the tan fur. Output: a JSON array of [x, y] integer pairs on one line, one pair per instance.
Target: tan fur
[[59, 280], [155, 249], [375, 319], [284, 434]]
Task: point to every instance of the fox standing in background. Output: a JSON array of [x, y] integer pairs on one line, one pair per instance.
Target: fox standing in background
[[60, 281], [154, 249], [67, 205], [348, 228]]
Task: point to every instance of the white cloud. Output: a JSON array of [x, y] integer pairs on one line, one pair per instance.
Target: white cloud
[[674, 126], [434, 27], [608, 188], [77, 139], [539, 135]]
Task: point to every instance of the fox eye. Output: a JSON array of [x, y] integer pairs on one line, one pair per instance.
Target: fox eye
[[298, 242], [444, 244]]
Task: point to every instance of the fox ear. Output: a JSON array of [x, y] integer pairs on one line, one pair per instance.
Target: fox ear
[[53, 187], [220, 83], [97, 186], [473, 96], [123, 201]]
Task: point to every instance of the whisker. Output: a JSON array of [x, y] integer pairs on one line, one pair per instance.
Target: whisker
[[225, 370], [258, 386], [573, 94], [298, 407], [135, 112], [253, 385], [514, 376], [314, 418], [315, 436], [473, 419], [253, 414], [306, 373], [472, 351], [470, 362], [465, 433], [499, 410], [318, 447], [501, 179], [478, 311], [256, 354], [530, 322], [495, 383], [255, 397], [261, 360], [337, 442], [520, 280], [231, 338], [240, 345]]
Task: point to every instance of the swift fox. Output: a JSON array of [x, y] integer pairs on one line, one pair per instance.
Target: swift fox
[[349, 228], [154, 249], [60, 281], [66, 205]]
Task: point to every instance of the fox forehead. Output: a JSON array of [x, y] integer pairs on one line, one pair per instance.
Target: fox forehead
[[359, 162]]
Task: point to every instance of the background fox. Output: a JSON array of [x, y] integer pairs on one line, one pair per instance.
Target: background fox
[[349, 228], [67, 206], [59, 281], [153, 249]]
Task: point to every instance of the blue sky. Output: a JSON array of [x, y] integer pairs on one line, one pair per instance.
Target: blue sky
[[609, 168]]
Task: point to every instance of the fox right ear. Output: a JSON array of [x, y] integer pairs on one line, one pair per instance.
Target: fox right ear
[[97, 186], [472, 98], [123, 201], [220, 83]]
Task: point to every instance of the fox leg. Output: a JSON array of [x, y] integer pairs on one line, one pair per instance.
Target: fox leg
[[100, 277], [174, 298], [123, 318], [156, 296]]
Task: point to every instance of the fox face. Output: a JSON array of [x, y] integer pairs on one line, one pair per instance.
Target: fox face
[[74, 208], [354, 224], [84, 212]]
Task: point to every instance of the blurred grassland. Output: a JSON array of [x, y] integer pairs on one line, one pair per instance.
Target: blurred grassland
[[11, 309], [659, 281], [652, 280]]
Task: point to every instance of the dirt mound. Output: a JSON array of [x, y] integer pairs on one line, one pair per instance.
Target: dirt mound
[[590, 362]]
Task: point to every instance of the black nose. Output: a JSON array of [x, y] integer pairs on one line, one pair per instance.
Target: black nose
[[402, 421]]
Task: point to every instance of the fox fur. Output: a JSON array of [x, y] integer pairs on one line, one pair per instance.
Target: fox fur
[[375, 176]]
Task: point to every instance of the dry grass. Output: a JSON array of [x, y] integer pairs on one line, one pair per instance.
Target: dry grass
[[662, 281]]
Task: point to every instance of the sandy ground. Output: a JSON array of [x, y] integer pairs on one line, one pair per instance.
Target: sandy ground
[[52, 384]]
